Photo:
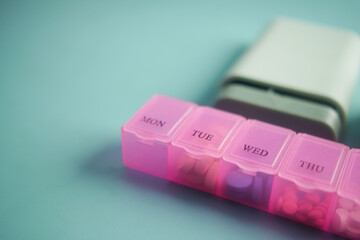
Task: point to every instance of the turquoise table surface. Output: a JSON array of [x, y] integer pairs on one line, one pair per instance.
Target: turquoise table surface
[[73, 72]]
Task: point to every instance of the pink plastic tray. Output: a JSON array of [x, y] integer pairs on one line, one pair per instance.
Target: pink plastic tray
[[301, 177]]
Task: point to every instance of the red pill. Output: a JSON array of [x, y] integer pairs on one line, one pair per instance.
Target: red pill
[[304, 206], [315, 214], [318, 222], [290, 190], [289, 207], [279, 204], [312, 197], [301, 217], [290, 197]]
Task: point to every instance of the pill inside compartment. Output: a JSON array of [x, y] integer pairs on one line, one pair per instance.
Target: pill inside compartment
[[305, 188], [251, 161], [345, 219], [196, 150], [303, 205], [147, 135]]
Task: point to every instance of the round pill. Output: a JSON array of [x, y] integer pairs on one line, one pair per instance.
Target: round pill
[[322, 205], [339, 220], [194, 179], [318, 222], [327, 199], [321, 208], [268, 187], [210, 178], [257, 190], [291, 197], [290, 190], [346, 203], [304, 206], [185, 164], [289, 207], [315, 214], [353, 232], [301, 217], [243, 197], [312, 197], [202, 166], [322, 196], [354, 219], [238, 181], [279, 203]]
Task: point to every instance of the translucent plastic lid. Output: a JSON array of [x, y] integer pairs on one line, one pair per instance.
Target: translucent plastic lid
[[314, 163], [350, 183], [207, 131], [259, 146], [158, 118]]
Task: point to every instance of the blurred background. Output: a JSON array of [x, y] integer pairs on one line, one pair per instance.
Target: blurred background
[[73, 72]]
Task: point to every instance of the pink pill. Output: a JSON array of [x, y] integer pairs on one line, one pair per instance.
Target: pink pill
[[290, 197], [312, 197], [304, 206], [194, 179], [279, 204], [315, 214], [202, 166], [301, 217], [339, 220], [327, 198], [321, 208], [322, 205], [185, 164], [354, 219], [289, 207], [346, 203], [210, 178], [318, 222], [353, 232], [290, 190]]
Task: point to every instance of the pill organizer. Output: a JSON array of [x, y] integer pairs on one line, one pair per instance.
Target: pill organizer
[[147, 135], [305, 188], [345, 220], [251, 161], [195, 153], [297, 176]]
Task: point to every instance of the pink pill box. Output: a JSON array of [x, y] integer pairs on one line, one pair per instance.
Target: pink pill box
[[147, 135], [297, 176], [195, 152], [251, 161], [345, 220], [305, 188]]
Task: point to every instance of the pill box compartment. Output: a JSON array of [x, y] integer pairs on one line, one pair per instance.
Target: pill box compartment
[[305, 188], [345, 220], [147, 135], [196, 150], [251, 161]]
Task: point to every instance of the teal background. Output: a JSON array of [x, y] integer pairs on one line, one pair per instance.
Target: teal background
[[73, 72]]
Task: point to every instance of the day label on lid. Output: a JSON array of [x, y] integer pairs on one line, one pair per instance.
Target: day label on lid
[[262, 144], [316, 160], [208, 129], [160, 115]]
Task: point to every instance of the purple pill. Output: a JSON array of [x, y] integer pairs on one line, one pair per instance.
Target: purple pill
[[257, 190], [242, 197], [238, 181], [268, 188]]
